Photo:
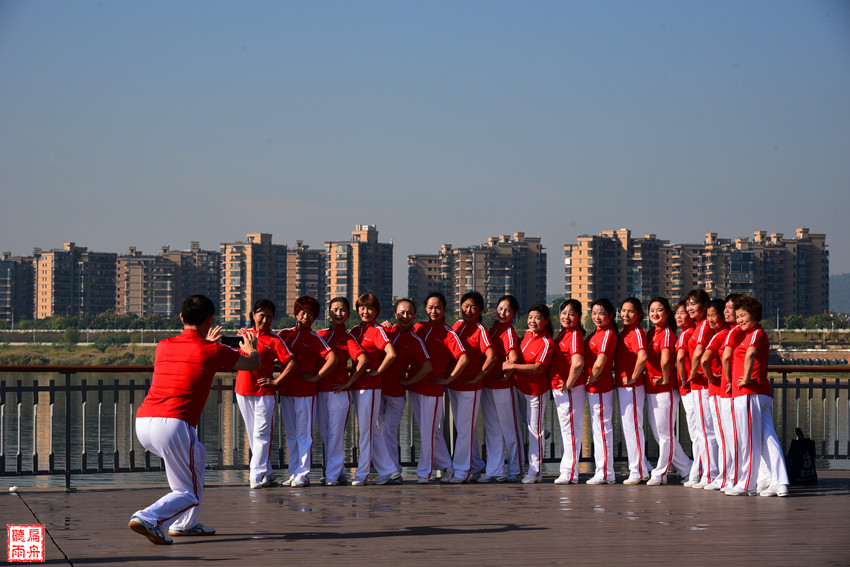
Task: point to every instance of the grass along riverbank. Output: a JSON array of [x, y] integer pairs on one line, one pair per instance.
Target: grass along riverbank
[[65, 355]]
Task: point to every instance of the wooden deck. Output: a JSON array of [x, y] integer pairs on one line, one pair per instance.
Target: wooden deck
[[508, 524]]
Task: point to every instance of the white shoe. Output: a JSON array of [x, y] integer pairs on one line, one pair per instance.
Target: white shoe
[[689, 483], [150, 531], [532, 478], [422, 480], [599, 480], [196, 530], [736, 491], [632, 480], [484, 479], [775, 490], [699, 485], [446, 475], [298, 483], [384, 479], [288, 482], [457, 480], [563, 479], [656, 481], [358, 482], [713, 485], [256, 485], [331, 483], [762, 486]]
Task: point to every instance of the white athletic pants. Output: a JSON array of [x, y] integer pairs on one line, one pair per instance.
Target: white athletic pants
[[601, 410], [730, 436], [332, 415], [258, 415], [708, 440], [392, 409], [663, 411], [723, 434], [373, 447], [298, 421], [500, 413], [535, 408], [175, 441], [690, 402], [433, 453], [632, 399], [467, 456], [570, 408], [758, 442]]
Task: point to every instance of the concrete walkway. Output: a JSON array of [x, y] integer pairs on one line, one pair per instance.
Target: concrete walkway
[[493, 524]]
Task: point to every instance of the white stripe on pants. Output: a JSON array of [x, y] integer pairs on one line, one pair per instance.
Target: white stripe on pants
[[175, 441], [392, 409], [298, 421], [631, 400], [535, 407], [601, 410], [332, 415], [663, 411], [500, 413], [433, 453], [258, 415], [372, 446], [467, 457], [570, 408], [758, 442]]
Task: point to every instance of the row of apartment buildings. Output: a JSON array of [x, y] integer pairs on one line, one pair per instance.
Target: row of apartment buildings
[[789, 275]]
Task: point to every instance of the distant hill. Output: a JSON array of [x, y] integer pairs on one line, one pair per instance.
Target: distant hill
[[839, 293]]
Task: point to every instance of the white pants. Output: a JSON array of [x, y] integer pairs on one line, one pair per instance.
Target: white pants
[[708, 441], [392, 409], [535, 408], [258, 415], [433, 453], [332, 415], [663, 411], [176, 442], [570, 408], [372, 447], [690, 401], [723, 434], [730, 437], [632, 399], [601, 409], [298, 421], [467, 456], [758, 442], [500, 413]]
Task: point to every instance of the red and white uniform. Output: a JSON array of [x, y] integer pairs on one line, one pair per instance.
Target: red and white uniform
[[366, 397], [332, 407], [757, 439], [707, 451], [500, 409], [690, 401], [721, 411], [600, 399], [663, 403], [426, 397], [298, 398], [410, 355], [570, 403], [257, 403], [465, 400], [534, 388], [184, 367], [632, 398]]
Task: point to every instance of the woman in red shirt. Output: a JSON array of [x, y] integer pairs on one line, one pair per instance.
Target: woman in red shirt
[[532, 380], [568, 388], [601, 346]]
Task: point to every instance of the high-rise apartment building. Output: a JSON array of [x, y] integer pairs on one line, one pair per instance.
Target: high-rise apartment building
[[157, 285], [251, 270], [74, 281], [789, 276], [505, 264], [16, 288], [305, 275], [360, 265]]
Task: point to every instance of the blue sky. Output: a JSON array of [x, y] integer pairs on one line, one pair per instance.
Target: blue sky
[[158, 122]]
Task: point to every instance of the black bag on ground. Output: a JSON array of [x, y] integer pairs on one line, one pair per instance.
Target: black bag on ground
[[801, 460]]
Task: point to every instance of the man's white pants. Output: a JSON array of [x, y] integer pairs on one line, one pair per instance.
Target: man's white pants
[[176, 442], [535, 407], [332, 415], [632, 399], [601, 411], [298, 421], [433, 453], [663, 411], [467, 456], [372, 447], [500, 413], [570, 408], [757, 442], [392, 409], [258, 415]]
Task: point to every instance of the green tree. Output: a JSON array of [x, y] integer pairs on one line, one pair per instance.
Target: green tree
[[71, 338]]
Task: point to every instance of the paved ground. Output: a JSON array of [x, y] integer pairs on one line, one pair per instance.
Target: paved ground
[[509, 524]]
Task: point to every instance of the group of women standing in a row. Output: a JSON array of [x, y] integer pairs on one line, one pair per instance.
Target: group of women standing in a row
[[717, 368]]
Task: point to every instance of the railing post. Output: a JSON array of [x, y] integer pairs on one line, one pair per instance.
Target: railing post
[[83, 406], [68, 487], [100, 426], [18, 454], [51, 457], [3, 427], [784, 409], [35, 427]]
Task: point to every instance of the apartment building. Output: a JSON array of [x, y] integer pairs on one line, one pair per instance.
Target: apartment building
[[16, 289], [360, 265], [251, 270], [73, 281], [305, 275], [507, 264]]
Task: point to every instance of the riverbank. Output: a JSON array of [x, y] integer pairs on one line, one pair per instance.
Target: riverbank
[[86, 355]]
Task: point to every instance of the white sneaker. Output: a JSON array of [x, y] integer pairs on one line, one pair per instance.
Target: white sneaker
[[384, 479], [457, 480], [713, 485], [484, 479], [288, 482], [331, 483], [737, 491], [632, 480], [762, 486], [422, 480], [689, 483], [656, 481], [150, 531], [699, 485], [298, 483], [532, 478], [563, 479], [782, 490], [255, 485], [358, 482], [198, 529], [599, 480]]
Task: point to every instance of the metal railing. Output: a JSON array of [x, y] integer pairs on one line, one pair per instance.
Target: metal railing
[[815, 404]]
